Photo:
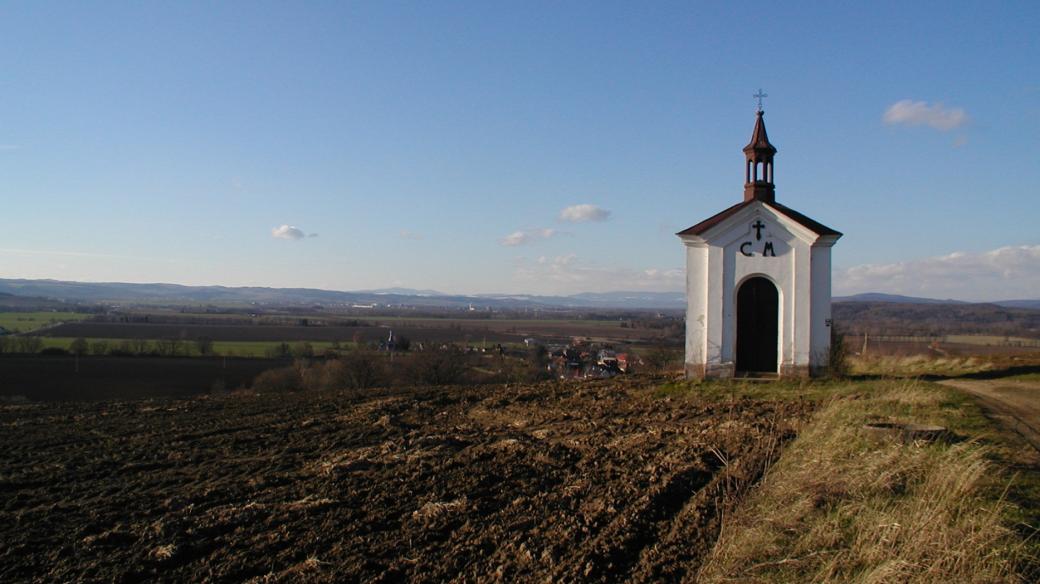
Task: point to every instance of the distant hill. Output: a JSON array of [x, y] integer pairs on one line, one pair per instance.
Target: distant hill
[[929, 319], [118, 292], [121, 293], [645, 300], [896, 298], [403, 292], [12, 302], [58, 291], [881, 297], [1033, 304]]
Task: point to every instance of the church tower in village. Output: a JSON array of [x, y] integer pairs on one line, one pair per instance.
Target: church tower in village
[[758, 282]]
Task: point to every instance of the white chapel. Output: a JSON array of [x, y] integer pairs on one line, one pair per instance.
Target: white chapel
[[758, 282]]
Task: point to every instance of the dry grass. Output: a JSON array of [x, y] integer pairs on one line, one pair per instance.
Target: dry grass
[[844, 505], [917, 365]]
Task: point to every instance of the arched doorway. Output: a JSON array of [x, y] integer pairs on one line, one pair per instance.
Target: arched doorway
[[758, 312]]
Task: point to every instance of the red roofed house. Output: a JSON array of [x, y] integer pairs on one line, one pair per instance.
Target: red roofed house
[[758, 282]]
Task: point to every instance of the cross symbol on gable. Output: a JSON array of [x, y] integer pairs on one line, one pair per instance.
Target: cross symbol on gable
[[758, 226]]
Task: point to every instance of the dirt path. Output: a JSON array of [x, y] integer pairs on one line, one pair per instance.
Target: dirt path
[[1016, 404]]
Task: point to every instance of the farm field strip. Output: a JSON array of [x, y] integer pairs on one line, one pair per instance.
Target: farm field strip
[[266, 332], [495, 323], [555, 481], [223, 348], [478, 332], [29, 321]]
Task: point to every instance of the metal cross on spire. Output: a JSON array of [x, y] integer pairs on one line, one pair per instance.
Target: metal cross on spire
[[759, 96]]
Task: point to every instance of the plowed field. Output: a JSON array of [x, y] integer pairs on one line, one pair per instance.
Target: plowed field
[[524, 483]]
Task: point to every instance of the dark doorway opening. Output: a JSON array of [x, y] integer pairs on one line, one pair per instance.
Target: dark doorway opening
[[758, 317]]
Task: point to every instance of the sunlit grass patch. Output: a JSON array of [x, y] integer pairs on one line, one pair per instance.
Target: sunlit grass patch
[[844, 504], [23, 322], [918, 365], [730, 389]]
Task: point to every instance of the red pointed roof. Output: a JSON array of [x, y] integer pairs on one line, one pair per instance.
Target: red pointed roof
[[759, 138]]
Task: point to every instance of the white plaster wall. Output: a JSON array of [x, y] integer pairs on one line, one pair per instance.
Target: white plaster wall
[[696, 303], [820, 342], [716, 268], [713, 338]]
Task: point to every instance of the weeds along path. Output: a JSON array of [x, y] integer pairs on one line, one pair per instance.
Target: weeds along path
[[1013, 403], [520, 483]]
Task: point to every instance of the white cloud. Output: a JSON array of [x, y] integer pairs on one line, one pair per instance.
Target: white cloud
[[527, 236], [1005, 273], [289, 232], [584, 213], [920, 113], [567, 274], [411, 235]]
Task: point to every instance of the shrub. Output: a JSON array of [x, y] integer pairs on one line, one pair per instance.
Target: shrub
[[279, 351], [169, 347], [281, 379], [302, 350], [30, 344], [139, 346], [436, 368], [79, 346], [54, 351], [312, 376], [538, 363], [356, 370], [123, 349], [838, 358], [204, 345], [661, 359]]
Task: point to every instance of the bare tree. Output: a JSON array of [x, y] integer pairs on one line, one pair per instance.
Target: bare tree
[[302, 350], [140, 346], [359, 370], [204, 345], [79, 346], [169, 347], [29, 344], [437, 367], [279, 351]]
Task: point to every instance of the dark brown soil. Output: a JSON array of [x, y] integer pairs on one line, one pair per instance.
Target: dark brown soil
[[65, 377], [540, 483]]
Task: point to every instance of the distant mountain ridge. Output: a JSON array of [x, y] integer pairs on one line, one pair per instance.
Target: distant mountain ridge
[[120, 292], [882, 297], [899, 299]]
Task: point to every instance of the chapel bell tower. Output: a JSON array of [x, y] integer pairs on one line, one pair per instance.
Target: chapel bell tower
[[758, 282]]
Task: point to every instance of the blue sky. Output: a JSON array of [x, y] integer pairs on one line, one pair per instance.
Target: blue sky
[[437, 145]]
